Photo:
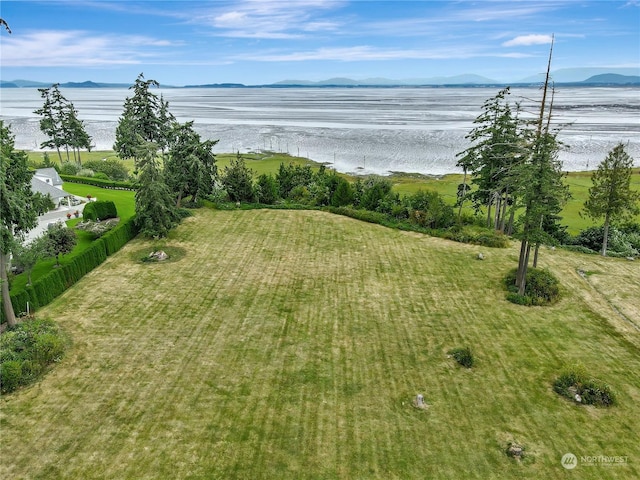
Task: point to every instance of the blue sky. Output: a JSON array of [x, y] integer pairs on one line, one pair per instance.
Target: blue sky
[[265, 41]]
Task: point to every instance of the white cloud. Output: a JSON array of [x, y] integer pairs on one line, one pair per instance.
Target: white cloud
[[269, 19], [51, 48], [526, 40]]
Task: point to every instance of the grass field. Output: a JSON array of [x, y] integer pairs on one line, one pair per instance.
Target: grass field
[[290, 344]]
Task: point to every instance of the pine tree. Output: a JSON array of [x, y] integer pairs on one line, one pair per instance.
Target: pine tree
[[611, 196], [18, 212]]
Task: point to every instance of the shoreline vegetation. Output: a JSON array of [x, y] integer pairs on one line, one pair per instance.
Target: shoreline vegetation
[[404, 183]]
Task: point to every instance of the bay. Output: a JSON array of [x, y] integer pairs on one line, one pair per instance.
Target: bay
[[356, 130]]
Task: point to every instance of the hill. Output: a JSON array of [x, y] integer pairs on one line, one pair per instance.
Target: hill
[[613, 79], [291, 344]]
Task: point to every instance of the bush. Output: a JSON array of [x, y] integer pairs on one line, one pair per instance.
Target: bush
[[100, 210], [98, 182], [267, 189], [463, 356], [591, 391], [10, 375], [541, 288], [113, 169], [27, 350]]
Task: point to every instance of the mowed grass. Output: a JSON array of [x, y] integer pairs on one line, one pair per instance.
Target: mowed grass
[[290, 344]]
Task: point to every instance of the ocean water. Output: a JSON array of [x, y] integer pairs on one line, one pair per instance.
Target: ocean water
[[356, 130]]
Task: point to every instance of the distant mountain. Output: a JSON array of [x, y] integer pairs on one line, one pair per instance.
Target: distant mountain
[[4, 84], [468, 79], [575, 75], [613, 79], [217, 85]]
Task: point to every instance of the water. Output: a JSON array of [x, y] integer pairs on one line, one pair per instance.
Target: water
[[357, 130]]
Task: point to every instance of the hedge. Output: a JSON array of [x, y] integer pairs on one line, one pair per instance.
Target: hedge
[[50, 286], [98, 182], [99, 210]]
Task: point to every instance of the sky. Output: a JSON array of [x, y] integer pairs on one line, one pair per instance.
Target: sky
[[265, 41]]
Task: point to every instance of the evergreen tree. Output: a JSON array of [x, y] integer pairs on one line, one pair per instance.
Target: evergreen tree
[[156, 212], [611, 196], [190, 168], [238, 181], [498, 149], [146, 119], [18, 212]]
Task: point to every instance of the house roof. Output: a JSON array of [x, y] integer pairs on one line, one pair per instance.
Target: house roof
[[49, 173], [38, 185]]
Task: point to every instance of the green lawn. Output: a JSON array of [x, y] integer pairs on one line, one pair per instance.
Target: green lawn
[[290, 344]]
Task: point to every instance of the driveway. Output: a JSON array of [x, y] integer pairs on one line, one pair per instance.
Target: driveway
[[53, 216]]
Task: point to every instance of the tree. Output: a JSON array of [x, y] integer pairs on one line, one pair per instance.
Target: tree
[[146, 119], [25, 256], [60, 241], [611, 196], [18, 212], [61, 124], [498, 149], [541, 180], [190, 168], [156, 212], [267, 189], [238, 180], [343, 195]]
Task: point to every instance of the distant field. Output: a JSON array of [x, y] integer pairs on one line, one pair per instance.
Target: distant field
[[290, 344]]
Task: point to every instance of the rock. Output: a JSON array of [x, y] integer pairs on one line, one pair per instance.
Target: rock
[[515, 451], [480, 256], [159, 255], [578, 398], [631, 259]]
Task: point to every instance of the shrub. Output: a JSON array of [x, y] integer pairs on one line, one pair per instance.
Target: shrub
[[100, 210], [26, 351], [541, 288], [68, 168], [463, 356], [267, 189], [112, 168], [591, 391], [10, 375]]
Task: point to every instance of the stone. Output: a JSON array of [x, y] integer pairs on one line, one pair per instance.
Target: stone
[[578, 398], [480, 256], [515, 451]]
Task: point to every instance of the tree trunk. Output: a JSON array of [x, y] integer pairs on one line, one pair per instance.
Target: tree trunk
[[6, 298], [523, 249], [535, 256], [496, 217], [464, 194], [490, 204], [504, 210], [523, 278], [606, 236], [511, 218]]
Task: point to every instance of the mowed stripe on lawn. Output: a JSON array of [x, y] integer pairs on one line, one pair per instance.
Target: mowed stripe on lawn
[[289, 344]]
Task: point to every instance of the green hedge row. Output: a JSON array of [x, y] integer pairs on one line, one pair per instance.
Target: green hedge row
[[99, 210], [48, 287], [98, 182]]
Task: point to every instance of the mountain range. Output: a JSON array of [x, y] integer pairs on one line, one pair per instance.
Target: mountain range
[[575, 77]]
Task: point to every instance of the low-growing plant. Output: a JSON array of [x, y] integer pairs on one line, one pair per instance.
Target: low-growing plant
[[576, 385], [26, 350], [463, 356]]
